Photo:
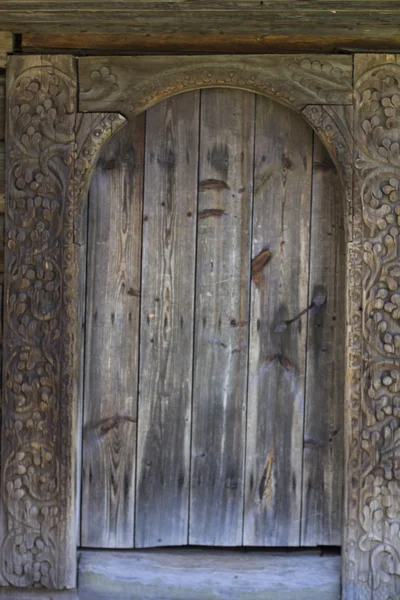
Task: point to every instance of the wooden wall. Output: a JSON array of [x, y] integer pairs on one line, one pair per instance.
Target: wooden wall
[[202, 425], [2, 170]]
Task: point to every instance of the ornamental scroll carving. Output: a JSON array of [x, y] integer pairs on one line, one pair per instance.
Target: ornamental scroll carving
[[376, 442], [132, 84], [51, 152]]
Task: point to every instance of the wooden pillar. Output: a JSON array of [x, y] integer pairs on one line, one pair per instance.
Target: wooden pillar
[[372, 538], [50, 152]]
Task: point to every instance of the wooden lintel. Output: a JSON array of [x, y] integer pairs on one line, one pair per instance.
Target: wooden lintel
[[96, 43]]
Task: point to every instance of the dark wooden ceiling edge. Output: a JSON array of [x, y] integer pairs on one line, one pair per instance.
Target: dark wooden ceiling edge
[[100, 44]]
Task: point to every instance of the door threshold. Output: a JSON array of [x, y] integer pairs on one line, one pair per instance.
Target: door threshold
[[208, 574]]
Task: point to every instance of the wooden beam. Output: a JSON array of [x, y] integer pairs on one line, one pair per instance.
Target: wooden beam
[[304, 17], [97, 43]]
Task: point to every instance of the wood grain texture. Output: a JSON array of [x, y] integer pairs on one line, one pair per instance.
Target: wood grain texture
[[2, 177], [6, 47], [2, 107], [221, 19], [113, 301], [194, 574], [131, 84], [166, 339], [323, 459], [282, 190], [213, 43], [222, 314]]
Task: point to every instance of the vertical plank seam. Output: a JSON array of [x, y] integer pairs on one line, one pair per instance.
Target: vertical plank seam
[[84, 357], [307, 332], [139, 323], [194, 316], [256, 101]]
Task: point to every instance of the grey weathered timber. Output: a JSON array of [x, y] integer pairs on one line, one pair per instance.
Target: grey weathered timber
[[133, 83], [222, 315], [2, 177], [208, 574], [2, 106], [166, 338], [39, 594], [277, 361], [310, 18], [6, 47], [323, 458], [111, 365]]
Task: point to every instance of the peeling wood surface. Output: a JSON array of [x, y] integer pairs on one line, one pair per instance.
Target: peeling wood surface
[[323, 453], [193, 574], [222, 316], [166, 336], [281, 222], [110, 402]]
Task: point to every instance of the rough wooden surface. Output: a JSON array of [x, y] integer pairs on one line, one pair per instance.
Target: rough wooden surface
[[277, 361], [2, 177], [323, 461], [222, 316], [166, 339], [235, 43], [2, 107], [111, 372], [24, 594], [208, 574], [231, 130], [349, 17], [6, 46]]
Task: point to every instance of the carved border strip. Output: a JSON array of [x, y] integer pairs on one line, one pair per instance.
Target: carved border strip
[[132, 84], [51, 153]]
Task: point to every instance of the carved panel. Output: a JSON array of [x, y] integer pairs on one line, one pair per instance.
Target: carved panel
[[132, 84], [373, 547], [50, 154]]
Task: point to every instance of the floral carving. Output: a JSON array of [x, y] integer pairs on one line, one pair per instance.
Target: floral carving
[[135, 83], [51, 152], [377, 161]]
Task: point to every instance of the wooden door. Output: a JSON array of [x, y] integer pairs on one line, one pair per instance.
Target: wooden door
[[211, 218]]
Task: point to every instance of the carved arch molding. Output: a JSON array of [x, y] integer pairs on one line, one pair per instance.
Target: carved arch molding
[[51, 152]]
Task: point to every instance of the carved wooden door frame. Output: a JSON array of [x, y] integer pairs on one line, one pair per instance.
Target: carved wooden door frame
[[55, 131]]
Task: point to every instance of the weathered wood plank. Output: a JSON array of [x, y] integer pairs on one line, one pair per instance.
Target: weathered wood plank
[[282, 182], [6, 46], [113, 298], [222, 18], [204, 574], [166, 339], [323, 460], [2, 177], [2, 107], [222, 314], [229, 43], [133, 83]]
